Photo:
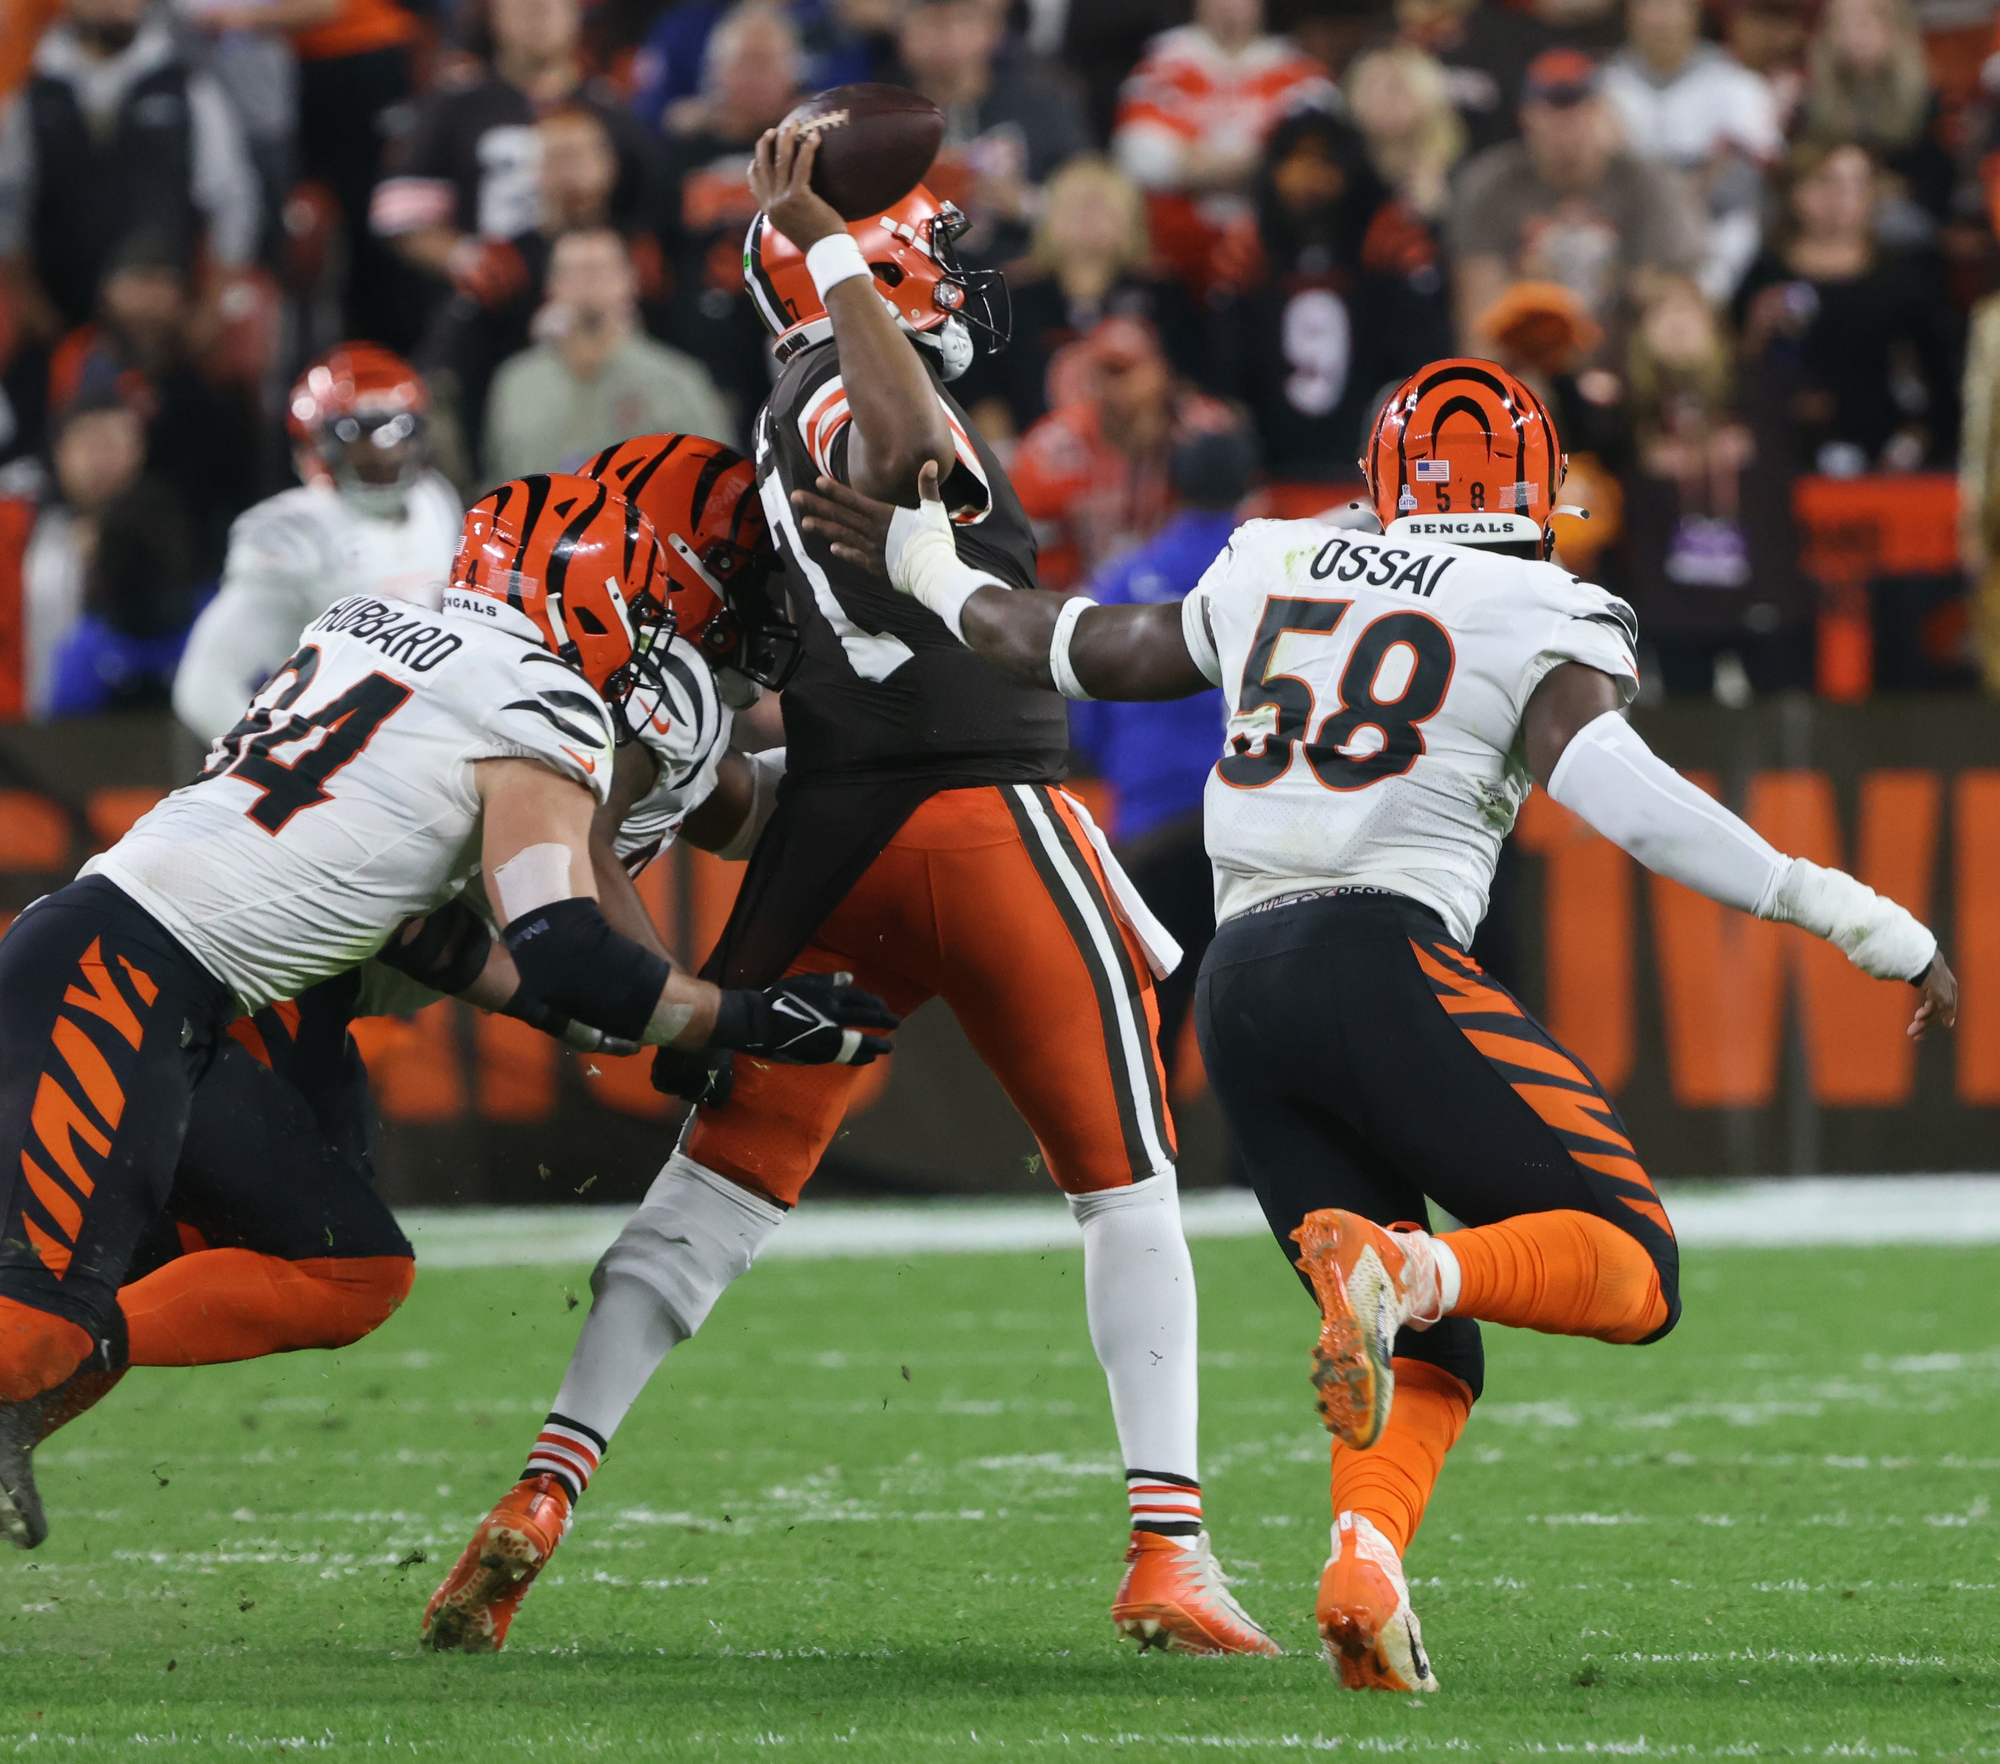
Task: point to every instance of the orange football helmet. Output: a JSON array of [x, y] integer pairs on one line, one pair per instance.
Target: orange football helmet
[[912, 250], [357, 421], [1465, 437], [580, 565], [723, 589]]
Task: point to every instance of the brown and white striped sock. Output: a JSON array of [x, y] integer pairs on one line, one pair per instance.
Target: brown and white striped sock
[[568, 1451], [1164, 1503]]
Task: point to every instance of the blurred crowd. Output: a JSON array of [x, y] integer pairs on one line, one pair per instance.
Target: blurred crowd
[[1737, 243]]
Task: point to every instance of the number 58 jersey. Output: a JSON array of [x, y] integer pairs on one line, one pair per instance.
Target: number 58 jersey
[[1376, 689], [344, 800]]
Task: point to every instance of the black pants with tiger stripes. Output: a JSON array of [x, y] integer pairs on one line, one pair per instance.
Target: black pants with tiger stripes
[[107, 1024], [1364, 1061]]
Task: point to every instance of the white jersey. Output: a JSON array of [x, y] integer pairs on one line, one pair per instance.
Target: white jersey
[[290, 558], [1377, 687], [686, 729], [344, 801]]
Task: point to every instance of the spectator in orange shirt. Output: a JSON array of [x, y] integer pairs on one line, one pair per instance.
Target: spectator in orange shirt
[[21, 25], [1094, 474], [354, 66], [1192, 123]]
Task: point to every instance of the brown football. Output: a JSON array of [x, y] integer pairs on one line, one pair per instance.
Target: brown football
[[875, 144]]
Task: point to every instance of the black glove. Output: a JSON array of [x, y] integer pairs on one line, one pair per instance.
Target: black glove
[[550, 1021], [806, 1020], [704, 1075]]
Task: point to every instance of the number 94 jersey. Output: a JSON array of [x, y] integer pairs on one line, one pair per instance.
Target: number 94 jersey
[[344, 800], [1377, 686]]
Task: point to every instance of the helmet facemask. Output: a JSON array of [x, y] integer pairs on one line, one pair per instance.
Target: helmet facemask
[[978, 300], [375, 458], [749, 635]]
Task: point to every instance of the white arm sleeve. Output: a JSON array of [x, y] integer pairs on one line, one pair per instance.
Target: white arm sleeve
[[766, 769], [1643, 806]]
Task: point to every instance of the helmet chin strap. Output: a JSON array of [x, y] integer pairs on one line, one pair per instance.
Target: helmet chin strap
[[951, 343]]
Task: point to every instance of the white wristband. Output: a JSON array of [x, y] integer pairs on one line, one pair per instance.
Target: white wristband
[[1060, 670], [836, 258]]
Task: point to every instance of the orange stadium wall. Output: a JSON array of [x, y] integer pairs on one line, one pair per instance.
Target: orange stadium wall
[[1732, 1047]]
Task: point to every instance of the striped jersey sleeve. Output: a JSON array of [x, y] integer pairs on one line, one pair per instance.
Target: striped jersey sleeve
[[542, 709], [685, 727]]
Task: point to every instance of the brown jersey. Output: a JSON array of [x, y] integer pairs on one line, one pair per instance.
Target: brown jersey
[[884, 689]]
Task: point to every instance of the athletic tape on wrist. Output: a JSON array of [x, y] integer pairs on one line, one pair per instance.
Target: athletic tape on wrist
[[923, 560], [1060, 670], [836, 259]]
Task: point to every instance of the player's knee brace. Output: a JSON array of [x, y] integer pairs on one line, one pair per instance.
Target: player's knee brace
[[693, 1234]]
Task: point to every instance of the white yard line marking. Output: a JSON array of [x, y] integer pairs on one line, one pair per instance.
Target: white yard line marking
[[1795, 1213]]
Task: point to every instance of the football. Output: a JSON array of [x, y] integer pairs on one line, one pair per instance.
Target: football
[[875, 144]]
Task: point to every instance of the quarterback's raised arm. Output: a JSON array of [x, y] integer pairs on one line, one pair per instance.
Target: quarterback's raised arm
[[537, 860], [1592, 762], [1066, 641], [898, 420]]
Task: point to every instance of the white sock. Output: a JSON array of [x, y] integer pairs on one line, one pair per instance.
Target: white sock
[[693, 1234], [1138, 1288], [1450, 1278], [625, 1337]]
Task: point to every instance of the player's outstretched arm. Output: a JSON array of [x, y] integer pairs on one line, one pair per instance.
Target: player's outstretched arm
[[1066, 641], [1592, 762], [535, 850], [898, 420]]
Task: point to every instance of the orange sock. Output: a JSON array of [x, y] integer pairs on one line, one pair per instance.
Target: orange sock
[[38, 1350], [1392, 1481], [234, 1304], [1562, 1273]]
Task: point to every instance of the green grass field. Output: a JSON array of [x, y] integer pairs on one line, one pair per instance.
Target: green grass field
[[874, 1513]]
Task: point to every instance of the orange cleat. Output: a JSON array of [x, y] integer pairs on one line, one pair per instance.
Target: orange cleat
[[1177, 1598], [1370, 1634], [1370, 1282], [470, 1613]]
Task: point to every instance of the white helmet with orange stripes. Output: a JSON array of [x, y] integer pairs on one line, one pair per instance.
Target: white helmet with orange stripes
[[912, 252]]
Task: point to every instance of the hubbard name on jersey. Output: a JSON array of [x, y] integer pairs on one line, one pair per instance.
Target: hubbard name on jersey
[[1377, 687], [344, 801]]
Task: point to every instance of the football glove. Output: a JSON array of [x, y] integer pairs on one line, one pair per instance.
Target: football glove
[[701, 1075], [805, 1020]]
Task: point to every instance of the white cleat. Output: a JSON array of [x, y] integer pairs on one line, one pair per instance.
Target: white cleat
[[1370, 1634]]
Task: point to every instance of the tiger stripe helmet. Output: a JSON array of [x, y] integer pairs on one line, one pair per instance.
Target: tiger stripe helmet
[[1461, 438], [912, 252], [579, 566], [722, 584]]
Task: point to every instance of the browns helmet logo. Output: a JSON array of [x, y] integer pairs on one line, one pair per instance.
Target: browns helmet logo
[[912, 252]]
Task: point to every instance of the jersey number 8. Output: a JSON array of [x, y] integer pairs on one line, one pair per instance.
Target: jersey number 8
[[1253, 762]]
